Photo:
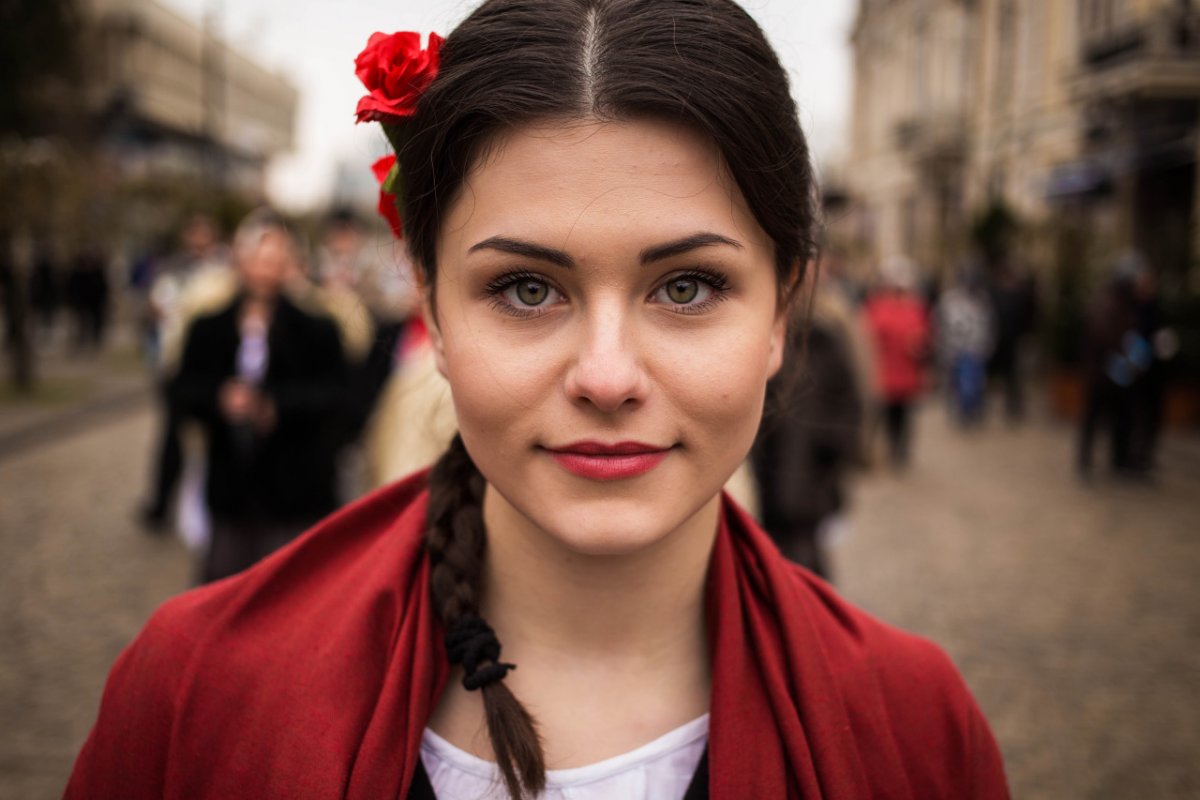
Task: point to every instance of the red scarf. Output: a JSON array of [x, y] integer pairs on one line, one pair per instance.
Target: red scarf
[[313, 674]]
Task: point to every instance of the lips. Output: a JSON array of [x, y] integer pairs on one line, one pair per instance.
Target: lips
[[601, 461]]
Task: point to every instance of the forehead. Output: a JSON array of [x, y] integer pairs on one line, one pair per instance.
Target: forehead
[[598, 152], [565, 183]]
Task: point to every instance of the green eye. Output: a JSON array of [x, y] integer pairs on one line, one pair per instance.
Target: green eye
[[532, 293], [682, 290], [689, 293], [524, 294]]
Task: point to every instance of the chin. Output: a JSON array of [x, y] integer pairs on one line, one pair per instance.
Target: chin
[[613, 526], [607, 542]]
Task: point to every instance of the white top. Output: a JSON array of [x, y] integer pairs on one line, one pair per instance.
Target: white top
[[253, 352], [660, 770]]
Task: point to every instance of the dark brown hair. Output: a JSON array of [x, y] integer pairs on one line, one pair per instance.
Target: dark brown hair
[[702, 63]]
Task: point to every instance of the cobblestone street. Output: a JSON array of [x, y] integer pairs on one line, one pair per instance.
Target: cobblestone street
[[1072, 610], [78, 579]]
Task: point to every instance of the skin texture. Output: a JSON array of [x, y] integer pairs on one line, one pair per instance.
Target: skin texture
[[600, 583]]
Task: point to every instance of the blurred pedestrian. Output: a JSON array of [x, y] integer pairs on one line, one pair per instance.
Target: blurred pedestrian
[[381, 279], [14, 301], [416, 420], [1116, 357], [811, 432], [187, 282], [263, 377], [347, 274], [88, 298], [899, 322], [1149, 391], [965, 335], [194, 280], [143, 271], [45, 292], [1014, 311]]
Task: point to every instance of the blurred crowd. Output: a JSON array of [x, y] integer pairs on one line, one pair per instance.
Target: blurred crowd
[[293, 376], [271, 360], [77, 287], [870, 352], [1127, 351]]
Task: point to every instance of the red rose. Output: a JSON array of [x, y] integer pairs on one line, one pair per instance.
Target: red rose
[[395, 71], [387, 202]]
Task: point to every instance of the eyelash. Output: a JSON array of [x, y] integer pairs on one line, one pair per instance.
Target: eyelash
[[496, 288], [716, 281]]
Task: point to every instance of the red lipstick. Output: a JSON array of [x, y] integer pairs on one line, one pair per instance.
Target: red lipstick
[[599, 461]]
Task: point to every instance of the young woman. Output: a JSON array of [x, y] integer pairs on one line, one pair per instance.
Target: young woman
[[611, 205]]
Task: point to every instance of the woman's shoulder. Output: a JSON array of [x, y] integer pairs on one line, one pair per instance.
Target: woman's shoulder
[[263, 655], [345, 564], [903, 690], [889, 705], [807, 608], [860, 641]]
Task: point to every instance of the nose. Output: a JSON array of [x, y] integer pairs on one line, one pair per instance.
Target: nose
[[607, 372]]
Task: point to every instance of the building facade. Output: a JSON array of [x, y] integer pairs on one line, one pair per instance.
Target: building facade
[[173, 99], [1084, 111], [913, 74]]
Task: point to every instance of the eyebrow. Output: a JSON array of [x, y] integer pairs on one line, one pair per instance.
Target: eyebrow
[[527, 249], [660, 252], [685, 245]]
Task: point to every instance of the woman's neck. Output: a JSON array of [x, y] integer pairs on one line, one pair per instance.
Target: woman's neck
[[612, 650], [539, 594]]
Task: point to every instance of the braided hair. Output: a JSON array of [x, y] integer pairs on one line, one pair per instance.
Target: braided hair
[[456, 541]]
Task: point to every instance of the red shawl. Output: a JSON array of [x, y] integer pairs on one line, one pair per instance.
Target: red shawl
[[312, 675]]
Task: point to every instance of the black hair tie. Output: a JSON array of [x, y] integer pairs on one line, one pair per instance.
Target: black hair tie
[[471, 642]]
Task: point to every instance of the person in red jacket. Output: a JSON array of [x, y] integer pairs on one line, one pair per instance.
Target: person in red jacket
[[611, 208], [899, 321]]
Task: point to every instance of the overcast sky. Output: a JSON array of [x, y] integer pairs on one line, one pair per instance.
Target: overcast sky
[[314, 43]]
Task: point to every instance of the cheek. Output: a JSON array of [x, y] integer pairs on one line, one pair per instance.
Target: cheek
[[724, 395], [498, 388]]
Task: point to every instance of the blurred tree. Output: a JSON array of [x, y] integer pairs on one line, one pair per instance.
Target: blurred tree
[[41, 109], [40, 60], [13, 294]]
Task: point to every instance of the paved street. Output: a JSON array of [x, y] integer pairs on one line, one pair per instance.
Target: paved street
[[1072, 610], [78, 579]]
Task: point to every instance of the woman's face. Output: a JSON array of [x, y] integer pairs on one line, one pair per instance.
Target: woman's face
[[607, 315]]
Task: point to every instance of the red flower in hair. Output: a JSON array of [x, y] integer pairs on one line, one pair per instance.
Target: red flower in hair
[[395, 71], [387, 201]]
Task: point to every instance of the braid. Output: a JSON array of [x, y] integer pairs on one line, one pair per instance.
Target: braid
[[456, 541], [455, 538]]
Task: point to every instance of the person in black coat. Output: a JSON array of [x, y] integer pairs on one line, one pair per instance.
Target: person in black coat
[[1114, 359], [810, 437], [88, 293], [264, 378]]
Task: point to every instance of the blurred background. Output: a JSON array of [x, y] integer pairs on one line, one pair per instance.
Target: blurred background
[[995, 441]]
